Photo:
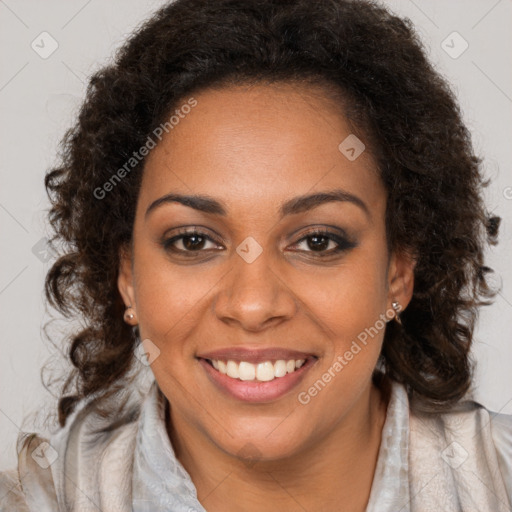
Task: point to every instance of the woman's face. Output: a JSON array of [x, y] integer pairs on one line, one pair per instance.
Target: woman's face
[[254, 286]]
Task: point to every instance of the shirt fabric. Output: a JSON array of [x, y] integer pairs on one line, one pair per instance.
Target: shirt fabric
[[460, 461]]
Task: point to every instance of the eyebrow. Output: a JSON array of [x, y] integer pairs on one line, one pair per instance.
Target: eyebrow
[[293, 206]]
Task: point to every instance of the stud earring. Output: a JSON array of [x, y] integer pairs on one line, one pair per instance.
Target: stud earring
[[128, 316], [397, 307]]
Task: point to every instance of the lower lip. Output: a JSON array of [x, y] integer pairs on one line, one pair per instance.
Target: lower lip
[[253, 390]]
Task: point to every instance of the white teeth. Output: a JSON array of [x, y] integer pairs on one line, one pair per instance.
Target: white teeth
[[264, 372], [247, 371], [222, 367], [232, 370], [280, 368]]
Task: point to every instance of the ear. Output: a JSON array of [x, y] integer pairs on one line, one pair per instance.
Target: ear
[[401, 278], [125, 281]]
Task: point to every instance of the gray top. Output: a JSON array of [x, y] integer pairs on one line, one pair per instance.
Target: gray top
[[131, 465]]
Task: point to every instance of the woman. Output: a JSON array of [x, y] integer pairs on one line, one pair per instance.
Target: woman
[[275, 209]]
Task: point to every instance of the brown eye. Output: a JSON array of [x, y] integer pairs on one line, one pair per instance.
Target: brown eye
[[318, 242], [193, 242], [324, 243], [188, 242]]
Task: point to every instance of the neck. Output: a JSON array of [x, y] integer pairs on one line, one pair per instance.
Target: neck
[[333, 473]]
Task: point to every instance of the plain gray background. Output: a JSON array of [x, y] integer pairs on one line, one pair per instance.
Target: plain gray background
[[39, 97]]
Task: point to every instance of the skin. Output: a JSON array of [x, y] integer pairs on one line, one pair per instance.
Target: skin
[[252, 149]]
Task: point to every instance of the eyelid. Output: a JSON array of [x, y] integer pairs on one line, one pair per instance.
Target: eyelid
[[192, 228], [324, 228]]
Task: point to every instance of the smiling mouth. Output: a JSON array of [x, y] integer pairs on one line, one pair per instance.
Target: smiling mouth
[[264, 371]]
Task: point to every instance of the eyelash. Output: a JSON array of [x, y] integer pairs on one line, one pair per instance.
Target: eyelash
[[343, 244]]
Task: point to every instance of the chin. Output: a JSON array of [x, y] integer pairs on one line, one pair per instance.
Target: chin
[[265, 442]]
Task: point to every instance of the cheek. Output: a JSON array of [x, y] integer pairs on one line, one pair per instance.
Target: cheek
[[352, 312], [169, 297], [349, 300]]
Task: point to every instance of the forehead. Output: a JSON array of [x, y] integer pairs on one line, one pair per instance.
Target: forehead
[[256, 145]]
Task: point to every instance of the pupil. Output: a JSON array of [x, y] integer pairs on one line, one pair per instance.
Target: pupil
[[318, 246], [188, 245]]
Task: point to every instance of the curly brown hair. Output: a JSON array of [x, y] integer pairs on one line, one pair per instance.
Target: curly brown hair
[[406, 110]]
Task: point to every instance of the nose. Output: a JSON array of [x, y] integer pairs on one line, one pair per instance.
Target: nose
[[254, 295]]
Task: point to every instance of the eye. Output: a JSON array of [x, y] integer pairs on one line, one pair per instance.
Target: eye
[[320, 240], [189, 241]]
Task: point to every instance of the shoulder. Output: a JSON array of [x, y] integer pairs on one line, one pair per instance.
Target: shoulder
[[94, 450], [501, 432], [90, 449], [11, 494], [468, 444], [29, 486]]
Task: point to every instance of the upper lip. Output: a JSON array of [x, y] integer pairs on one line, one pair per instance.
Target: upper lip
[[252, 355]]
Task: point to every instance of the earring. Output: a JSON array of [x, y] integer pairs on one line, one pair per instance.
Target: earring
[[396, 306], [128, 316]]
